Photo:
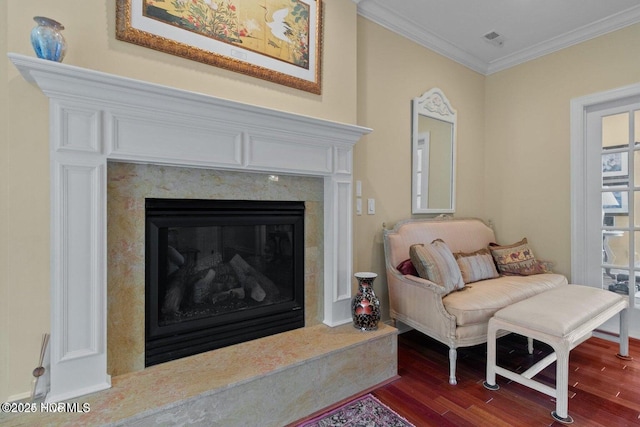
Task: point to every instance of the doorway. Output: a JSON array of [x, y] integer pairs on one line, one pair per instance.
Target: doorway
[[605, 173]]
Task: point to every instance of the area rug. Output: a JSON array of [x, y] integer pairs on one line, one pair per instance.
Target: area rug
[[366, 411]]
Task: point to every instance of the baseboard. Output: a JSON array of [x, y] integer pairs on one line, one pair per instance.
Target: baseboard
[[21, 396], [401, 327], [610, 336]]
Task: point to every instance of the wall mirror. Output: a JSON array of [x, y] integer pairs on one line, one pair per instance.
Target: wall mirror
[[433, 154]]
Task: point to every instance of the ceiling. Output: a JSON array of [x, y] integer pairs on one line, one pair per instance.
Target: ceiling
[[527, 29]]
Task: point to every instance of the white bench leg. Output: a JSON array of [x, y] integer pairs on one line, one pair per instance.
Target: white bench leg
[[624, 336], [530, 345], [453, 356], [490, 382], [561, 413]]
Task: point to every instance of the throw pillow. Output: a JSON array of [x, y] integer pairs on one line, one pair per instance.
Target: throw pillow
[[516, 259], [435, 262], [476, 265], [406, 267]]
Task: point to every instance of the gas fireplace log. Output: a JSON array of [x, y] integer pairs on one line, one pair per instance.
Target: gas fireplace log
[[175, 290], [255, 290], [175, 258], [237, 293], [226, 278], [202, 287], [246, 273], [173, 297]]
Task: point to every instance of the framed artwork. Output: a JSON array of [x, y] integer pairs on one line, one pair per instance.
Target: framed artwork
[[615, 164], [274, 40], [615, 202]]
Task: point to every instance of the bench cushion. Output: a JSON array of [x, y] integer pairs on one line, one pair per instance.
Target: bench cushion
[[479, 301], [559, 311]]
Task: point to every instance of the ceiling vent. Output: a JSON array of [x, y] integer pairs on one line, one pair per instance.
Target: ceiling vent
[[494, 38]]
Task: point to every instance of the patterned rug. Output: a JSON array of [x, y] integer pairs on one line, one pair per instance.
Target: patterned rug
[[366, 411]]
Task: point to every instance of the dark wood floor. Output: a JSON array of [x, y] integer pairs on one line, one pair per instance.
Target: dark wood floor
[[603, 389]]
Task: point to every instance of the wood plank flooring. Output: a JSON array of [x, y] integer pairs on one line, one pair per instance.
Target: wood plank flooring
[[603, 389]]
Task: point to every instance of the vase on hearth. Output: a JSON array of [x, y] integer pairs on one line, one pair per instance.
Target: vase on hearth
[[365, 305], [47, 39]]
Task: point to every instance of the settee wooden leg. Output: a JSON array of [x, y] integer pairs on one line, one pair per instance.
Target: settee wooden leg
[[453, 355]]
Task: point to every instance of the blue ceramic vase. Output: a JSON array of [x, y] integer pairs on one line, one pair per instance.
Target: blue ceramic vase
[[47, 40]]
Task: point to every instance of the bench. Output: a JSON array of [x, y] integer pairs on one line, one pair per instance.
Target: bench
[[563, 318]]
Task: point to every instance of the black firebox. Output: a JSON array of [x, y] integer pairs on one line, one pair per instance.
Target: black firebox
[[220, 272]]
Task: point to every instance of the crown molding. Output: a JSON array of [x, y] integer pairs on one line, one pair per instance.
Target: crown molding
[[389, 19], [376, 11], [607, 25]]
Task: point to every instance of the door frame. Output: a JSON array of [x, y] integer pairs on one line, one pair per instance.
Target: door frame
[[579, 235]]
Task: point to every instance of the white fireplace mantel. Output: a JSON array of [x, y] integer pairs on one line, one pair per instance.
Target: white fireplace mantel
[[97, 117]]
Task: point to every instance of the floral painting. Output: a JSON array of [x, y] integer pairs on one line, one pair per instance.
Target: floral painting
[[277, 40]]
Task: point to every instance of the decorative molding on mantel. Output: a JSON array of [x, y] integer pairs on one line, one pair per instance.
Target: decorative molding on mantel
[[96, 117]]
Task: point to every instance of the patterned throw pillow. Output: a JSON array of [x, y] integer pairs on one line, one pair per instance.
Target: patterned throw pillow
[[476, 265], [516, 259], [435, 262]]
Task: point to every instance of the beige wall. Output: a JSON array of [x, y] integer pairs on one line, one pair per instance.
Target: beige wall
[[24, 185], [391, 72], [527, 180], [513, 131]]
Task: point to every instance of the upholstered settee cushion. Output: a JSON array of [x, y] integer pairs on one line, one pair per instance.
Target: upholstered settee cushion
[[516, 259], [436, 263], [482, 299], [476, 265]]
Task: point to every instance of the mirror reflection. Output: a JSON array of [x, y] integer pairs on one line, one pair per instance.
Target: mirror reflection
[[433, 152]]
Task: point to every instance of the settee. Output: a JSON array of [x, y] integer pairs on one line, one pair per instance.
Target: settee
[[458, 318]]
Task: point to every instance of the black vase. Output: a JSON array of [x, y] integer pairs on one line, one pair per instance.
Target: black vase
[[365, 305]]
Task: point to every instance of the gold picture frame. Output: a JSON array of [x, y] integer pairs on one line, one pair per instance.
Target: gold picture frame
[[275, 40]]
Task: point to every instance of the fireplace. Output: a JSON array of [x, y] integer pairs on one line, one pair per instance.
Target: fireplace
[[220, 272], [96, 118]]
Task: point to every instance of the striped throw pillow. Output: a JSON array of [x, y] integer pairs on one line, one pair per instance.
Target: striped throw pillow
[[476, 266], [435, 262]]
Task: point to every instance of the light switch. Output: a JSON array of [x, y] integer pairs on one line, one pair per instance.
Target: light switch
[[358, 206], [371, 206], [358, 188]]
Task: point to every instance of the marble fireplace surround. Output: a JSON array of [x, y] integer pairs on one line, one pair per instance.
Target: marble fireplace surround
[[97, 117]]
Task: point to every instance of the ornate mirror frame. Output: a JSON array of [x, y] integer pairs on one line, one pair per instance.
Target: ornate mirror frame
[[433, 152]]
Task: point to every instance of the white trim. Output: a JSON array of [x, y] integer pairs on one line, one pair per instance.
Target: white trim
[[579, 232], [96, 117], [382, 14]]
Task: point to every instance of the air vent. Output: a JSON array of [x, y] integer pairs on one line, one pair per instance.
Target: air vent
[[494, 38]]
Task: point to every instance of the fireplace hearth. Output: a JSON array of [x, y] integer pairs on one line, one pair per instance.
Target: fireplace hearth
[[220, 272]]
